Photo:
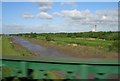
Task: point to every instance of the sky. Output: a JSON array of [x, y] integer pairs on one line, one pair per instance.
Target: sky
[[42, 17], [60, 0]]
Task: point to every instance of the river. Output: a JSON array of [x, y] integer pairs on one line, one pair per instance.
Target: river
[[38, 49]]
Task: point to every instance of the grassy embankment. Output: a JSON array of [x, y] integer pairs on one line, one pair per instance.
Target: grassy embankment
[[86, 47], [0, 45], [11, 48]]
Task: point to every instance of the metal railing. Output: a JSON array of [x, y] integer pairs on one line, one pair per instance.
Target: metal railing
[[33, 69]]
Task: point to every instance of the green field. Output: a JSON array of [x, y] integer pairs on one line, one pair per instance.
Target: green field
[[80, 41], [85, 47], [105, 40], [10, 48]]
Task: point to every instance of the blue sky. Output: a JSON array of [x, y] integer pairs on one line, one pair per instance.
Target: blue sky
[[62, 0], [20, 17]]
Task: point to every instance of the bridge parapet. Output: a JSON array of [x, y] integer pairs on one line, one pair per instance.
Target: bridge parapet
[[58, 70]]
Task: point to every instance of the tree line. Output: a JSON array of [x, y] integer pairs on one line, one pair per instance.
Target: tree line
[[111, 36], [99, 35]]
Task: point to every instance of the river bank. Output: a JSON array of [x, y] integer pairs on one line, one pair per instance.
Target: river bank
[[23, 46], [40, 50], [11, 48], [75, 50]]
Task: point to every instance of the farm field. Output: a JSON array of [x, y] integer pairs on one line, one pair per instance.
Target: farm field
[[11, 48]]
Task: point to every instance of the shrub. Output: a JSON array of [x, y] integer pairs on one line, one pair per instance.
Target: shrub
[[48, 38], [115, 46]]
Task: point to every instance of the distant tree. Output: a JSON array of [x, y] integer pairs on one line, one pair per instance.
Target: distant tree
[[33, 35]]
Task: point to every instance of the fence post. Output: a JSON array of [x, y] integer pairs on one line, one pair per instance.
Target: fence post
[[24, 69], [83, 71]]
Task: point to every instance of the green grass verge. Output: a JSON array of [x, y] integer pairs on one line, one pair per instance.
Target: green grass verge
[[0, 45], [10, 48]]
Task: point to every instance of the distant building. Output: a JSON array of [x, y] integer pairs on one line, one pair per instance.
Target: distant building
[[94, 28]]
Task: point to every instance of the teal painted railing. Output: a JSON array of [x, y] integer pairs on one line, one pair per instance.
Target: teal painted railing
[[60, 69]]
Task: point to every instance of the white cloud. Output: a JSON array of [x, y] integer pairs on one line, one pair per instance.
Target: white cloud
[[57, 14], [107, 15], [41, 0], [68, 3], [44, 15], [27, 15], [43, 28], [16, 26], [76, 14], [12, 28], [88, 17], [104, 17], [45, 6]]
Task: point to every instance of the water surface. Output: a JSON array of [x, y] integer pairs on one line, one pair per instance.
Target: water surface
[[38, 49]]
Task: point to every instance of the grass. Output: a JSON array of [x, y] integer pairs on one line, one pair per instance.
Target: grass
[[85, 42], [81, 41], [11, 48], [85, 47], [0, 45]]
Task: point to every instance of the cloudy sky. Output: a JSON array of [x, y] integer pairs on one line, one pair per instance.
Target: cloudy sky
[[22, 17]]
